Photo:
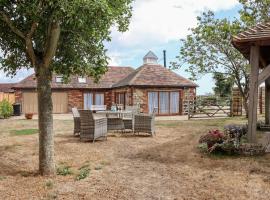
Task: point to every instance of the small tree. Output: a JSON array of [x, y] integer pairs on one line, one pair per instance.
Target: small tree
[[57, 36], [223, 85], [6, 109], [208, 49]]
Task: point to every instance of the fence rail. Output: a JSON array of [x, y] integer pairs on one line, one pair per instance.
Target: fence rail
[[209, 108]]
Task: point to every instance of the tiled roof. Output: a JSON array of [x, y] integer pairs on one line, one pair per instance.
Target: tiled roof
[[155, 75], [259, 34], [6, 87], [112, 76]]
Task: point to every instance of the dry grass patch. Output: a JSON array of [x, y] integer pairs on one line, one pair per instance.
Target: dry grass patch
[[167, 166]]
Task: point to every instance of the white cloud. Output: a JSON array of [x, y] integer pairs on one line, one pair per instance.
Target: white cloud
[[159, 21]]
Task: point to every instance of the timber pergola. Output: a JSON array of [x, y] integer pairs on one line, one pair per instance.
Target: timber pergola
[[254, 44]]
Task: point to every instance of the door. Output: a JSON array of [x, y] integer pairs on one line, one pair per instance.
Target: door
[[174, 102], [164, 103], [30, 103], [88, 100], [60, 102], [93, 99], [99, 98], [152, 101]]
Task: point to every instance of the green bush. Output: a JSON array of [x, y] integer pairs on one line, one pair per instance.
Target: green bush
[[83, 173], [6, 109], [64, 170]]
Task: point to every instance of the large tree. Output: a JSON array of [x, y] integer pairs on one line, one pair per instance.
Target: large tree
[[57, 36], [254, 11], [208, 49]]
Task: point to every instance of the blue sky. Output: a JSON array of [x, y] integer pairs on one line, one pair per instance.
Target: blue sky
[[158, 25]]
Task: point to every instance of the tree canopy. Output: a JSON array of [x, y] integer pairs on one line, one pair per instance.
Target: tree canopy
[[74, 29], [208, 49]]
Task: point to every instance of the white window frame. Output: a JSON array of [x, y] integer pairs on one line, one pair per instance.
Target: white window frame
[[59, 79], [81, 79]]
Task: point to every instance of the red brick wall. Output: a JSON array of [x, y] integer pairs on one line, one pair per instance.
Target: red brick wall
[[18, 96], [75, 99]]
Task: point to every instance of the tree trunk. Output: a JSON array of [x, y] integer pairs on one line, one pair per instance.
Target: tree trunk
[[245, 104], [45, 121]]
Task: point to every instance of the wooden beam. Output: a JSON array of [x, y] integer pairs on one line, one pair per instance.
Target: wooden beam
[[264, 74], [253, 93], [267, 101]]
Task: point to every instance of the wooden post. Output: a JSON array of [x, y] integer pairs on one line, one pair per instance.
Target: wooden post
[[267, 101], [253, 93]]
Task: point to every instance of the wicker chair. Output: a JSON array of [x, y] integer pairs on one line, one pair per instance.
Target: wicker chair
[[128, 118], [145, 123], [92, 128], [115, 123], [77, 121]]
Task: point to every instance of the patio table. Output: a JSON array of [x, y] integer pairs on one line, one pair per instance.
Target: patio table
[[115, 119]]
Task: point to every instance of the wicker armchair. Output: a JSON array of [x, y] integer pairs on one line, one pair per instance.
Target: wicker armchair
[[77, 121], [92, 128], [115, 123], [128, 118], [145, 123]]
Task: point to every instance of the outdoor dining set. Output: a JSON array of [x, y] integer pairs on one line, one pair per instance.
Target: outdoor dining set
[[96, 122]]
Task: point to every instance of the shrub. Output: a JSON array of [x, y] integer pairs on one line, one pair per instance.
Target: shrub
[[83, 173], [63, 170], [235, 132], [6, 109], [213, 137]]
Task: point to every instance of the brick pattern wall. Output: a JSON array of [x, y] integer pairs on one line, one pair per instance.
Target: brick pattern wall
[[18, 96], [75, 99]]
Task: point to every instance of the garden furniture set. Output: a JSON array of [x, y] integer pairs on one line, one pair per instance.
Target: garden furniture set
[[94, 124]]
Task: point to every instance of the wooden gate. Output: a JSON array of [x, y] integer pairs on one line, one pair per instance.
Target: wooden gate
[[209, 108]]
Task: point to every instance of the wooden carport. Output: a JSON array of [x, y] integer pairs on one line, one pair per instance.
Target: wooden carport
[[254, 44]]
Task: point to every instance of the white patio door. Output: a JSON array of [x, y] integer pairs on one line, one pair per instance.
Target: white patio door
[[99, 99], [164, 103], [174, 102], [152, 101], [88, 101]]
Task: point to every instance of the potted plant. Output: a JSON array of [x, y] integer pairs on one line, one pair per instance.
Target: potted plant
[[29, 115]]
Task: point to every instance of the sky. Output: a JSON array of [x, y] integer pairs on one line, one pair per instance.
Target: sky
[[157, 25]]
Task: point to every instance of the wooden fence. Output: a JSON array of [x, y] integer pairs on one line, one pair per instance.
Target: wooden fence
[[8, 96], [210, 108]]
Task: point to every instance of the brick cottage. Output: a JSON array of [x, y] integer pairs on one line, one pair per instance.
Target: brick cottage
[[149, 86]]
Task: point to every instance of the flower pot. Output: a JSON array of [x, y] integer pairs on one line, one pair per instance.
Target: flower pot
[[29, 115]]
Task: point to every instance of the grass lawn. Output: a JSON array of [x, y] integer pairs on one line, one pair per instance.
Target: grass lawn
[[167, 166]]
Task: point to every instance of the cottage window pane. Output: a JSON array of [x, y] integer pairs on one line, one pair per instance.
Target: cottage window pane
[[88, 101], [174, 104], [152, 101], [164, 102], [99, 99], [58, 79], [82, 80]]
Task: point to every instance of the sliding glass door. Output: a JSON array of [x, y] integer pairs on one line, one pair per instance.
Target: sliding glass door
[[152, 101], [164, 103], [167, 102], [93, 98]]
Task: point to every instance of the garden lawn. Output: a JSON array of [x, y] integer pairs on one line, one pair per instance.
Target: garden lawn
[[167, 166]]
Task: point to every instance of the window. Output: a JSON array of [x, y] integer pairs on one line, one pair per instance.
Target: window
[[120, 98], [82, 80], [59, 79]]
